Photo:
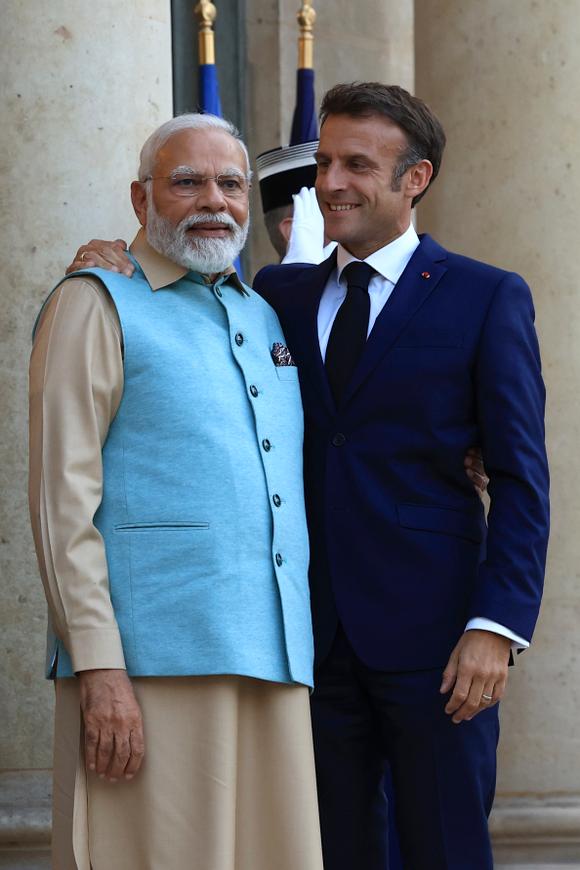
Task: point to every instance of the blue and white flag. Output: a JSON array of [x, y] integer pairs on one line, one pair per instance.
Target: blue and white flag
[[304, 123], [209, 91]]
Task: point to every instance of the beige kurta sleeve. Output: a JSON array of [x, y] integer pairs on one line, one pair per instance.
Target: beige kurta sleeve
[[76, 383]]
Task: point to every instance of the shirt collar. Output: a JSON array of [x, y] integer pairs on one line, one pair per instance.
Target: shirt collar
[[389, 261], [161, 272]]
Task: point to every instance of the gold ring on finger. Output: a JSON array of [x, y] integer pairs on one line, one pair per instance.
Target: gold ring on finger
[[487, 698]]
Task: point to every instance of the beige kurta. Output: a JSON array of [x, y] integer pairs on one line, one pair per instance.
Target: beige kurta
[[227, 782], [228, 778]]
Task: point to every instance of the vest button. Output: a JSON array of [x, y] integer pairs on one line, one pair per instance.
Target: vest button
[[339, 439], [277, 500], [218, 292], [254, 391], [239, 337], [279, 560], [266, 445]]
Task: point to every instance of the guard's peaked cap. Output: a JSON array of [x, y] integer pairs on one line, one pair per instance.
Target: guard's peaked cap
[[283, 171]]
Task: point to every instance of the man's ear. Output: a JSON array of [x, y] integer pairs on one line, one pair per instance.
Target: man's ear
[[285, 227], [139, 200], [418, 178]]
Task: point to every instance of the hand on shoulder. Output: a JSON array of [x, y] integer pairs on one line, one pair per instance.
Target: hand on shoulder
[[103, 254]]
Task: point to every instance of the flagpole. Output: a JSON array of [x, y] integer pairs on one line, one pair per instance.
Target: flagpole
[[304, 125], [306, 18], [208, 85], [206, 12]]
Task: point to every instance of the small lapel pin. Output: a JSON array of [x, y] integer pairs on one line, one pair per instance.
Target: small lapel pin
[[425, 274]]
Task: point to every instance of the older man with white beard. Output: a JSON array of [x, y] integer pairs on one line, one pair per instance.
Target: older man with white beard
[[167, 508]]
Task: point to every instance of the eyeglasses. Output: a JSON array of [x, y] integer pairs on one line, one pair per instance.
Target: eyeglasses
[[192, 184]]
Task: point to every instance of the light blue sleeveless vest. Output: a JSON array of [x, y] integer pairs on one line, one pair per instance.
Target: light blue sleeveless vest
[[203, 508]]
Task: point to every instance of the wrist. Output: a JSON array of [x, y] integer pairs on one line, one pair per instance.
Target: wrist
[[92, 674]]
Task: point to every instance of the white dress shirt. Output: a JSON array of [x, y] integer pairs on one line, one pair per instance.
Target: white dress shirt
[[389, 264]]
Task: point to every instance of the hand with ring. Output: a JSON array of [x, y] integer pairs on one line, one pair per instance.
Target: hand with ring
[[104, 255], [476, 674]]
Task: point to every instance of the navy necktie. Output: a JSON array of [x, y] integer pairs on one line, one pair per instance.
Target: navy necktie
[[349, 331]]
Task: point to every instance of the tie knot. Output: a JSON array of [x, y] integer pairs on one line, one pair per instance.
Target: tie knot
[[358, 274]]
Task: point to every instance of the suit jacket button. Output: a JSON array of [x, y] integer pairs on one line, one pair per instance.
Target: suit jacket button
[[277, 500], [279, 560], [266, 445], [239, 339], [339, 439], [254, 391]]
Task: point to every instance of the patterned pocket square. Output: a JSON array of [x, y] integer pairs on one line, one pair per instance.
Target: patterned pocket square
[[281, 355]]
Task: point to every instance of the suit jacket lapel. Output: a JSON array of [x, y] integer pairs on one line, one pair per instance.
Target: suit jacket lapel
[[424, 271], [311, 360]]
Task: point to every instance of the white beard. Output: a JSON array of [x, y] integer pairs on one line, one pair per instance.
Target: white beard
[[203, 255]]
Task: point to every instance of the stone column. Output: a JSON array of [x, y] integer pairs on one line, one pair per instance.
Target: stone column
[[370, 41], [501, 77], [83, 84]]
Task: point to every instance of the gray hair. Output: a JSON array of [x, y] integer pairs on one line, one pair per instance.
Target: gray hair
[[411, 156], [185, 122]]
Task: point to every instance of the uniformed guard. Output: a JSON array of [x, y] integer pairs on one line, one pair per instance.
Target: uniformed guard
[[282, 173]]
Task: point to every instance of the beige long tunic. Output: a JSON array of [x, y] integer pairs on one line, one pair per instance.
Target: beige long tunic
[[228, 777]]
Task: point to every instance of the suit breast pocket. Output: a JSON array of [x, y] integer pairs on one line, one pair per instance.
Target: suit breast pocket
[[430, 338], [428, 376]]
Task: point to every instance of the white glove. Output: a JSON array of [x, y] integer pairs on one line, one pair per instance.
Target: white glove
[[306, 243]]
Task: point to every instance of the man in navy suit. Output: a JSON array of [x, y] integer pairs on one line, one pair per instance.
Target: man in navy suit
[[408, 354]]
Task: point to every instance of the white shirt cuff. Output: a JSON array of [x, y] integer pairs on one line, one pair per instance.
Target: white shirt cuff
[[484, 624]]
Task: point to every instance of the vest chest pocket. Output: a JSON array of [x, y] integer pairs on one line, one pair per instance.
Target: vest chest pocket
[[287, 373], [161, 527]]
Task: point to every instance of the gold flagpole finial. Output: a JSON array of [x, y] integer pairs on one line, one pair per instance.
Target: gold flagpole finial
[[306, 18], [206, 12]]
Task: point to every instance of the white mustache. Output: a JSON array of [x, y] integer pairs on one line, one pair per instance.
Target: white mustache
[[210, 218]]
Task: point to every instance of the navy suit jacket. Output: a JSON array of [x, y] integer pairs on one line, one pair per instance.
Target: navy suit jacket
[[400, 550]]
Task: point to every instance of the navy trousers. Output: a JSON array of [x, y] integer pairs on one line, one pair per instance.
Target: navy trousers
[[443, 774]]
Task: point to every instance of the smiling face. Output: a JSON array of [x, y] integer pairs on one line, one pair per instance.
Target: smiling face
[[204, 232], [363, 205]]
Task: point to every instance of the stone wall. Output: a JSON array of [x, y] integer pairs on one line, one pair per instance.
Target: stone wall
[[501, 77], [82, 86]]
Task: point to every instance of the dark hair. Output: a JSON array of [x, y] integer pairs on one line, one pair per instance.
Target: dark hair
[[273, 219], [425, 135]]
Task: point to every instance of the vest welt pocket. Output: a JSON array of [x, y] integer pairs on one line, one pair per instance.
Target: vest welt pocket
[[287, 373], [161, 527]]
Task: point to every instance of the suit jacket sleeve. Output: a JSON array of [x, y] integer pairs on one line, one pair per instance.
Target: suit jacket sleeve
[[76, 381], [510, 407]]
